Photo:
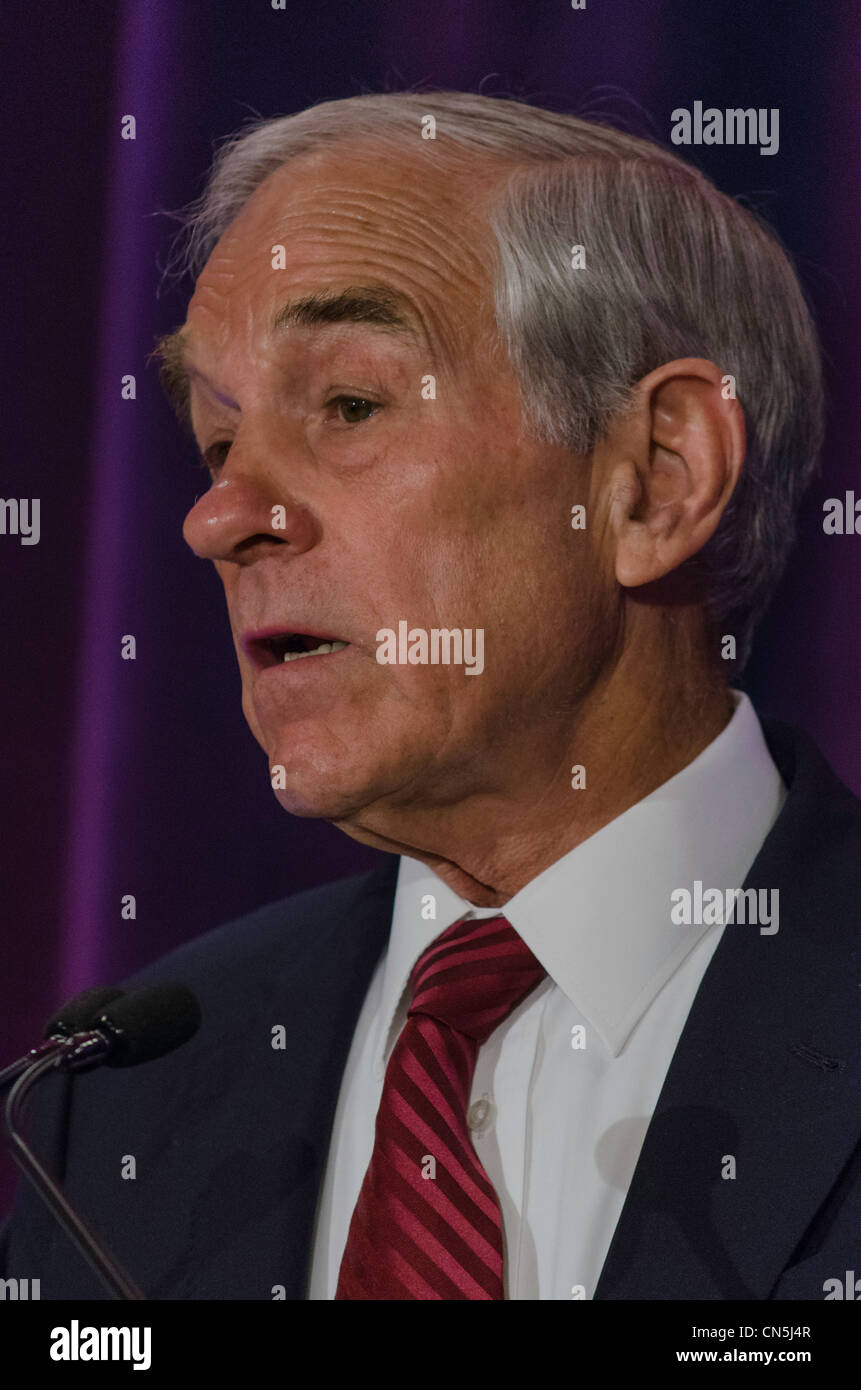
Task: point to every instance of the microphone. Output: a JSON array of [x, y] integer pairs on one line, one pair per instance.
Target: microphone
[[127, 1030], [81, 1011], [74, 1016], [135, 1028]]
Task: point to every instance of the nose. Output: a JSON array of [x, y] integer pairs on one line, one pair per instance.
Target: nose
[[243, 516]]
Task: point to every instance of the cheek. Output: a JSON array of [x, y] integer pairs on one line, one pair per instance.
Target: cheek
[[227, 574]]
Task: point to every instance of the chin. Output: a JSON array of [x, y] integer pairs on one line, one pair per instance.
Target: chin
[[335, 773], [319, 785], [314, 803]]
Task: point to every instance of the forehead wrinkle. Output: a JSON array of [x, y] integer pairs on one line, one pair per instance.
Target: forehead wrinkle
[[439, 317], [410, 226], [391, 211], [436, 263], [411, 253], [439, 227]]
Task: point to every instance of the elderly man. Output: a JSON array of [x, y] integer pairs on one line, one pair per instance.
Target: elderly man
[[507, 416]]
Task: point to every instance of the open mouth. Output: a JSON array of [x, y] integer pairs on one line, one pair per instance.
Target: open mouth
[[283, 647]]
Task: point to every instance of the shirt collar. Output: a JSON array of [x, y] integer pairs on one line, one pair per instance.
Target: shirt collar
[[598, 919]]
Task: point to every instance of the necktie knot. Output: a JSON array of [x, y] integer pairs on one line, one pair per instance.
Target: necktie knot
[[473, 975]]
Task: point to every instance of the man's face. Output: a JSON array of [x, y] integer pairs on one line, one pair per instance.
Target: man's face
[[400, 497]]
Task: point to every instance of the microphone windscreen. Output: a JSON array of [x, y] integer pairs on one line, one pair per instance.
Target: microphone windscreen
[[82, 1011], [149, 1023]]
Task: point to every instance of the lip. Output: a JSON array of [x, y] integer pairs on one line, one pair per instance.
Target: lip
[[254, 644]]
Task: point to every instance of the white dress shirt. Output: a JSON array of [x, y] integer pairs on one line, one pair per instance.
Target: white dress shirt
[[561, 1125]]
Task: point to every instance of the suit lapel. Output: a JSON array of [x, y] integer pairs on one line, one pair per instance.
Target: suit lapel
[[326, 997], [762, 1073], [265, 1113]]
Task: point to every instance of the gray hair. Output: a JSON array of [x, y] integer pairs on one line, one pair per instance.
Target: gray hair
[[674, 268]]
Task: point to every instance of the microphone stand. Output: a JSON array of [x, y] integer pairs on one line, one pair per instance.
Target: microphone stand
[[115, 1280], [51, 1048]]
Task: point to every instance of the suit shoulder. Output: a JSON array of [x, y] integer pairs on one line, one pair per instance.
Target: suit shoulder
[[821, 807], [274, 936], [814, 848]]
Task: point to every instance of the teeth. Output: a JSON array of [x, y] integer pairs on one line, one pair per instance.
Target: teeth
[[323, 648]]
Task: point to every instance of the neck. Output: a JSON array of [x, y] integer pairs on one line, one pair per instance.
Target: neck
[[491, 843]]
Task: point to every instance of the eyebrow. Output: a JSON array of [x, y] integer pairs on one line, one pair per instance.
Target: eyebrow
[[372, 306], [173, 373], [376, 306]]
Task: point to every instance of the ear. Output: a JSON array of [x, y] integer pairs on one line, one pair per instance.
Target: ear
[[670, 465]]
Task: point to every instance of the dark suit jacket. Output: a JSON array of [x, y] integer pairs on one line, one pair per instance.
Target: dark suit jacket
[[231, 1136]]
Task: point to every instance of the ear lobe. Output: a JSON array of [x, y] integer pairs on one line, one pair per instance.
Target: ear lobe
[[684, 444]]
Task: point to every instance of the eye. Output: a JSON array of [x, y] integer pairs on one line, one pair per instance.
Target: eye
[[353, 410], [213, 457]]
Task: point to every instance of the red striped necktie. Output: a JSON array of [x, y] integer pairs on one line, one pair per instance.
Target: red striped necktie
[[432, 1229]]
